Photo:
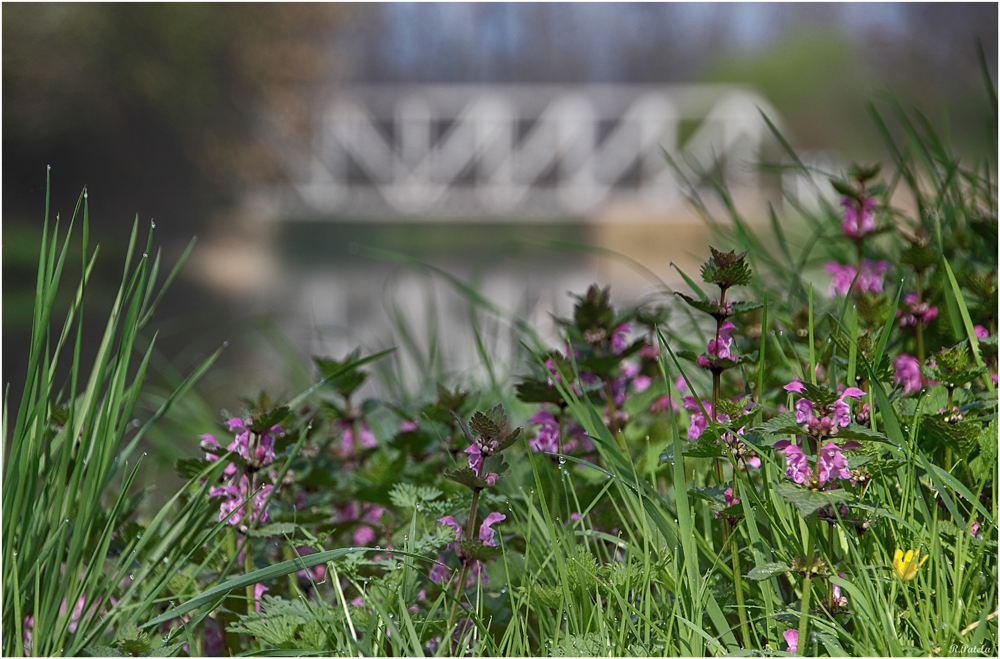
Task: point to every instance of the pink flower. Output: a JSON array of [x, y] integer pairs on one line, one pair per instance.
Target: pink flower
[[546, 439], [795, 386], [363, 535], [870, 280], [258, 591], [730, 500], [796, 463], [981, 332], [836, 593], [475, 458], [439, 573], [407, 426], [485, 532], [857, 225], [641, 383], [803, 410], [915, 312], [722, 347], [907, 373], [832, 462], [697, 422], [660, 404], [366, 438], [263, 451], [792, 638], [618, 340]]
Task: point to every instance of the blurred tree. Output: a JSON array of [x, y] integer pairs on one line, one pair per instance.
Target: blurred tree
[[198, 70]]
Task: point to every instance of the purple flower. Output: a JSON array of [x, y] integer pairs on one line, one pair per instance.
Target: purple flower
[[485, 532], [475, 458], [796, 463], [842, 409], [618, 340], [981, 332], [832, 462], [792, 638], [795, 386], [855, 225], [546, 439], [907, 373], [235, 498], [803, 410], [915, 312], [836, 595], [439, 573], [722, 347], [641, 383], [730, 500], [366, 438], [697, 422], [258, 591], [870, 280], [407, 426]]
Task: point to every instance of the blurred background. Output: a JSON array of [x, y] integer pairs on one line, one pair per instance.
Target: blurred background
[[314, 148]]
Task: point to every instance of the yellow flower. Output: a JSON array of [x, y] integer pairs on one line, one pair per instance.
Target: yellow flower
[[906, 566]]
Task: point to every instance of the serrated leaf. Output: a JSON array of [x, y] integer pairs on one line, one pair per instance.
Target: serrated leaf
[[276, 417], [483, 426], [767, 571], [188, 468], [511, 438], [536, 391], [808, 501], [277, 528], [863, 433], [783, 424], [467, 477], [474, 548], [919, 257]]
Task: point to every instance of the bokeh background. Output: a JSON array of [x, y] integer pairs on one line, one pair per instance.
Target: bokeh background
[[158, 109]]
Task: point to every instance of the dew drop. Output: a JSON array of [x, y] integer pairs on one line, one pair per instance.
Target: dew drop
[[49, 168], [152, 224], [131, 577], [145, 255]]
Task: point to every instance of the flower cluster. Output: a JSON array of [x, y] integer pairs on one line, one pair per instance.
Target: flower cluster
[[257, 449], [871, 278], [698, 422], [439, 573], [915, 312], [822, 422], [859, 217]]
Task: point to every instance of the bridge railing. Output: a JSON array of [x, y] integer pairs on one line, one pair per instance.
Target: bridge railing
[[529, 151]]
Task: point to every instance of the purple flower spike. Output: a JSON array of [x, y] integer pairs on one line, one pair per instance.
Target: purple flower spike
[[485, 532]]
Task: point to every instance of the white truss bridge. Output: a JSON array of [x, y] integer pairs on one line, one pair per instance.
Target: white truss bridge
[[481, 152]]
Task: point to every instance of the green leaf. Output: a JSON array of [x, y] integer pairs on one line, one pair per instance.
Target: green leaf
[[277, 528], [807, 501], [783, 424], [474, 548], [863, 433], [536, 391], [767, 571], [511, 439], [467, 477]]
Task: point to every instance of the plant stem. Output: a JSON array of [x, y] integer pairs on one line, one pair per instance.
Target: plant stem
[[737, 576], [247, 555], [920, 320], [806, 591], [459, 587]]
